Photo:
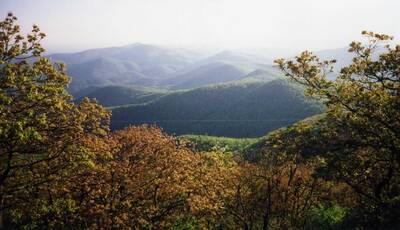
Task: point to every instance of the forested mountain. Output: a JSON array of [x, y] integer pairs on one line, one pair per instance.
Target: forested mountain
[[235, 109], [253, 101], [105, 71], [148, 65], [247, 105], [141, 54], [205, 75], [123, 95], [224, 66], [253, 151], [133, 64]]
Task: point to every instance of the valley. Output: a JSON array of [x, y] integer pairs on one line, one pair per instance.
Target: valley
[[228, 93]]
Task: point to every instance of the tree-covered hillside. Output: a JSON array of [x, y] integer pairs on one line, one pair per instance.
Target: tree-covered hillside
[[233, 110], [123, 95], [253, 152], [205, 143]]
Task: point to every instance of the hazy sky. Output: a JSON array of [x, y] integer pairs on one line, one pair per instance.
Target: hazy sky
[[292, 24]]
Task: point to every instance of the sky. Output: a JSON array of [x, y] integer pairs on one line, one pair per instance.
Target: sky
[[73, 25]]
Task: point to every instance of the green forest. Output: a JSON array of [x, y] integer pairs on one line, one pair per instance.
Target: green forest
[[234, 109], [323, 154]]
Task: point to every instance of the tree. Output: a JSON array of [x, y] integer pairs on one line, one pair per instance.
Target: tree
[[359, 134], [277, 192], [217, 178], [41, 130], [141, 178]]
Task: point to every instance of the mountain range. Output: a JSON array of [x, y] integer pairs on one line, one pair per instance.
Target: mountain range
[[147, 65], [183, 91]]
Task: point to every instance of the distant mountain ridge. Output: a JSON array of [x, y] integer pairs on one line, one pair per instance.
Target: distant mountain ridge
[[138, 64], [147, 65]]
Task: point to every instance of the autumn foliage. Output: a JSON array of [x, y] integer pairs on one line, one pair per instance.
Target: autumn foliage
[[62, 168]]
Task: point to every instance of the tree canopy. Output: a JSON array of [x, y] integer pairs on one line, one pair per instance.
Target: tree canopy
[[359, 134]]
